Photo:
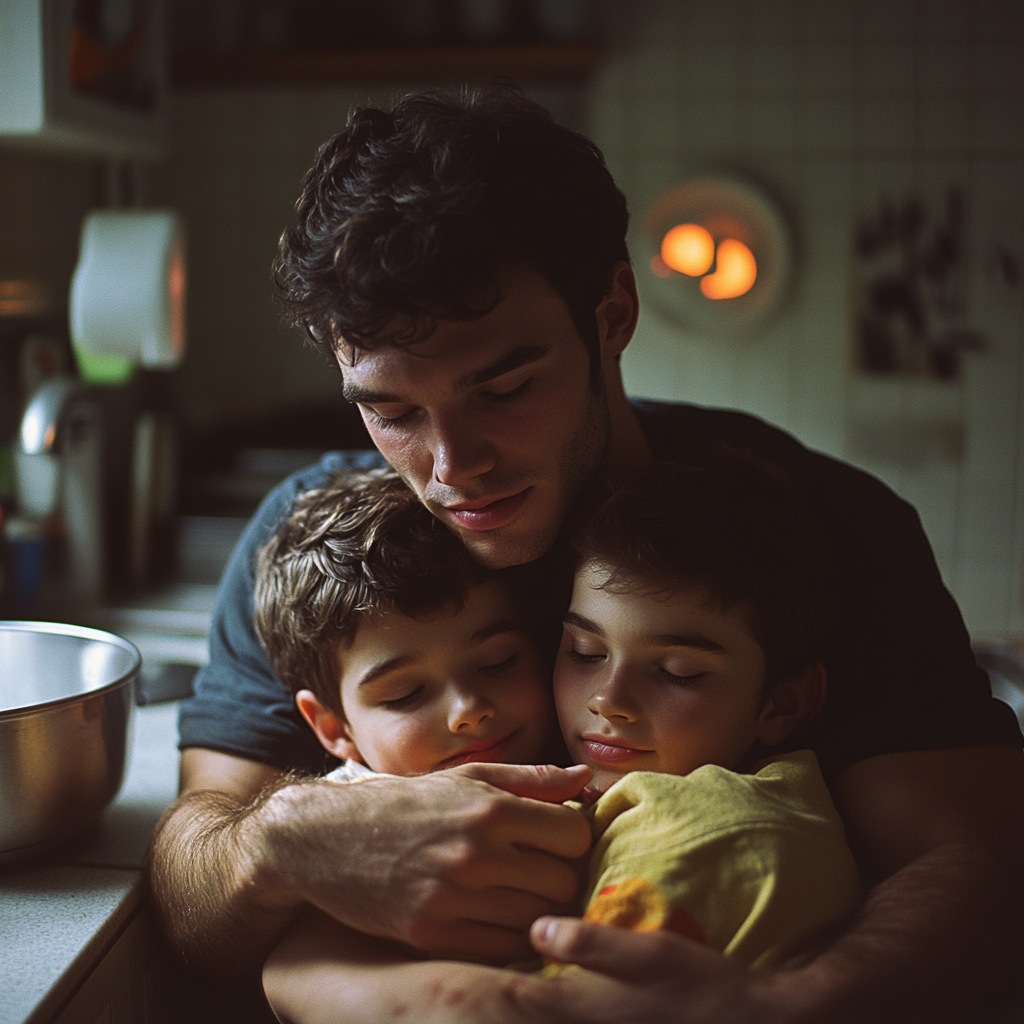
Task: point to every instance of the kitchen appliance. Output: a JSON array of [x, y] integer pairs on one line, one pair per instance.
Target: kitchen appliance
[[66, 698], [98, 451]]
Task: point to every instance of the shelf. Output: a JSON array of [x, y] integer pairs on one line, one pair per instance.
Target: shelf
[[549, 61]]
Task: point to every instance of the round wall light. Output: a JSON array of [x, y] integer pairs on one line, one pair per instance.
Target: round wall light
[[719, 255]]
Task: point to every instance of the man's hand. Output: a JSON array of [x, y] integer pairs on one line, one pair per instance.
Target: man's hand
[[643, 977], [457, 863]]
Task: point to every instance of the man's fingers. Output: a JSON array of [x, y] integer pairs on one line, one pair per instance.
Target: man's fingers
[[539, 782], [617, 952], [552, 828], [520, 872]]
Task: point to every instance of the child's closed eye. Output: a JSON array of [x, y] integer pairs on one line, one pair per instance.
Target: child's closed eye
[[584, 657], [683, 677], [405, 701], [501, 666]]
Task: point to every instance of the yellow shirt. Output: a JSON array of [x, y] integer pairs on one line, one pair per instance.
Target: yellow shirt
[[754, 865]]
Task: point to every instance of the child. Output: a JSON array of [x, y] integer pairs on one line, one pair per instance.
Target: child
[[404, 655], [690, 651], [690, 654]]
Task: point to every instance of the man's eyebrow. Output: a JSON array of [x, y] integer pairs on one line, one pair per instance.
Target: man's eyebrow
[[495, 628], [382, 668], [521, 355], [355, 394]]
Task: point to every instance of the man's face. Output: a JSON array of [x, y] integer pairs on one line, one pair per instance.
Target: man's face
[[491, 422]]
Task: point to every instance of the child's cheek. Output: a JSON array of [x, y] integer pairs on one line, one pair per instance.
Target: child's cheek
[[407, 745]]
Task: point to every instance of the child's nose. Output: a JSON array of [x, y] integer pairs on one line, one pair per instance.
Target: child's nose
[[467, 710], [611, 699]]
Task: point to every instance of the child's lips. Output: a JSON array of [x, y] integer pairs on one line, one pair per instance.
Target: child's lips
[[489, 750], [609, 750]]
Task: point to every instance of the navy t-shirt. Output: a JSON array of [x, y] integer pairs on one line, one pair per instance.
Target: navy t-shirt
[[901, 675]]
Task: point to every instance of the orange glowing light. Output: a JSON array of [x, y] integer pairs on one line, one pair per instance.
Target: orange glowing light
[[24, 298], [689, 249], [735, 273]]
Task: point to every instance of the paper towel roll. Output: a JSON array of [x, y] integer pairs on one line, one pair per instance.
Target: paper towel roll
[[128, 290]]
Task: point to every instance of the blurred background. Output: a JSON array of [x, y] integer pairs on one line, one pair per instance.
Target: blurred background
[[880, 140]]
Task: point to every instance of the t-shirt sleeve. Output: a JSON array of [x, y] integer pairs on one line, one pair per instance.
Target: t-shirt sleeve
[[239, 706], [901, 672]]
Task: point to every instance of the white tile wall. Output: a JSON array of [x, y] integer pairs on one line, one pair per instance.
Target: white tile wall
[[836, 104]]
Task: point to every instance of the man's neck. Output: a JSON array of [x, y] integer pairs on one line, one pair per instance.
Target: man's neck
[[628, 449]]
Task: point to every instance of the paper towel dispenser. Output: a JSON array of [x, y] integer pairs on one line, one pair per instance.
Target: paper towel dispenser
[[127, 302]]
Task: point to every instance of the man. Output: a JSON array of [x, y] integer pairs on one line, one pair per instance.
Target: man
[[463, 261]]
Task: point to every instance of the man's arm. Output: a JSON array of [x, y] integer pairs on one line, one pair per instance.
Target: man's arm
[[448, 863], [939, 939], [325, 973]]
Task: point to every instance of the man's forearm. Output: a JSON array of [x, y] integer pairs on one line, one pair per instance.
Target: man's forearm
[[325, 973], [445, 862], [203, 881]]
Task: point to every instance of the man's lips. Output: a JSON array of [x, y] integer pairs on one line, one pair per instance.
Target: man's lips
[[490, 750], [487, 513], [604, 750]]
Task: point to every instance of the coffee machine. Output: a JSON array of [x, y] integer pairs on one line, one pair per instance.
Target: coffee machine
[[95, 454]]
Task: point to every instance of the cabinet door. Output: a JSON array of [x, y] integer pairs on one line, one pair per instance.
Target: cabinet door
[[137, 982], [114, 992]]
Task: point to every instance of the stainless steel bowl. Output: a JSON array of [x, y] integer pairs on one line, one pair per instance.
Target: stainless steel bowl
[[66, 698]]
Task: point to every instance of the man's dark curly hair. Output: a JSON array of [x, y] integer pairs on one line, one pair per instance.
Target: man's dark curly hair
[[410, 216], [733, 527], [363, 544]]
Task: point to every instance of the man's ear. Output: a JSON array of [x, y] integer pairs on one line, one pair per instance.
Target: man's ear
[[793, 703], [331, 729], [617, 312]]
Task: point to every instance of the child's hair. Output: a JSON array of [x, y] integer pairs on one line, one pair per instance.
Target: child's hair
[[363, 544], [731, 526]]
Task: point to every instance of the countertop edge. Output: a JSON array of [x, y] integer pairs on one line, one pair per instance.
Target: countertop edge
[[97, 947]]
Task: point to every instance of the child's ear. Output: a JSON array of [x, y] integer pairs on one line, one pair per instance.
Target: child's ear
[[330, 728], [794, 702]]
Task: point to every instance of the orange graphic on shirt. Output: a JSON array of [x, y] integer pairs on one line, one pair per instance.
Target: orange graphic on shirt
[[640, 906]]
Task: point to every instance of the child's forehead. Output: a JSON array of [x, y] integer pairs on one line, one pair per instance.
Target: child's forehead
[[629, 594], [486, 610], [631, 585]]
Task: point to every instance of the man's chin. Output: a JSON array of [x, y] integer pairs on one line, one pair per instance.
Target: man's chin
[[494, 551]]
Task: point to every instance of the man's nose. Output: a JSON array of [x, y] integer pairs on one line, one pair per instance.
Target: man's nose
[[460, 451], [611, 698]]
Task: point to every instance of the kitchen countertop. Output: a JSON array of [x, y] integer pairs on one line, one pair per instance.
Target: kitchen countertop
[[60, 913]]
